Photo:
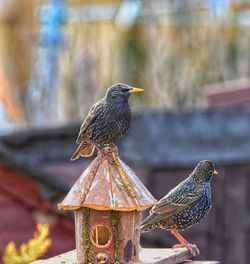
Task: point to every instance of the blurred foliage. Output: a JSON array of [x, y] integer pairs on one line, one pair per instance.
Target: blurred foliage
[[184, 59], [172, 55], [32, 250], [171, 60]]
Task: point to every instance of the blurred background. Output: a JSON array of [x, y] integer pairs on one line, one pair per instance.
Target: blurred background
[[192, 57]]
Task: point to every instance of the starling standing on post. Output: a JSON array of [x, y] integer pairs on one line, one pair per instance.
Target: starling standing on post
[[184, 206], [107, 121]]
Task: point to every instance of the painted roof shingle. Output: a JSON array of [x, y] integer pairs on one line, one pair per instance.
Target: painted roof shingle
[[108, 185]]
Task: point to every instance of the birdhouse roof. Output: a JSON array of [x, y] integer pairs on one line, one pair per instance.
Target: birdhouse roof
[[106, 185]]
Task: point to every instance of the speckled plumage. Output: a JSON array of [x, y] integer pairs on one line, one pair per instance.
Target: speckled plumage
[[107, 121], [186, 205], [111, 124]]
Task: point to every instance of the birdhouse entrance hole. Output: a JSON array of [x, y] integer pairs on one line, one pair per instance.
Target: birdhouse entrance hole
[[101, 236]]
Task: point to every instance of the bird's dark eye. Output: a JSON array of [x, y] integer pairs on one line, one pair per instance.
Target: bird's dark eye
[[114, 93]]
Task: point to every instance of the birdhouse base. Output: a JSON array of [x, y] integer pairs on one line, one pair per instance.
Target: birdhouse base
[[147, 256]]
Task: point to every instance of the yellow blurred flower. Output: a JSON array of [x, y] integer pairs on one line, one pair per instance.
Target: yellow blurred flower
[[28, 252]]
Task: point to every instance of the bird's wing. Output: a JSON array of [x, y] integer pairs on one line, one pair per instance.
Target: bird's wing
[[93, 112], [178, 199]]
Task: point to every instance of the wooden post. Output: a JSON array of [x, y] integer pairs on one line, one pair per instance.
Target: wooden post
[[147, 256]]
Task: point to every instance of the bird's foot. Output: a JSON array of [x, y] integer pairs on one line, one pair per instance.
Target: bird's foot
[[109, 152], [191, 247], [107, 155]]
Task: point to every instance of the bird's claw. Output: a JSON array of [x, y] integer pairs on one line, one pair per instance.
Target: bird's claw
[[193, 249], [107, 153]]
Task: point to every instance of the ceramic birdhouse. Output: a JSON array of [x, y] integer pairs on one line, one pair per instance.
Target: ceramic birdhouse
[[107, 199]]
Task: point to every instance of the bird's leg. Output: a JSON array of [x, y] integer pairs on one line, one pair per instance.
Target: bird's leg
[[98, 148], [114, 149], [102, 150], [179, 237], [184, 243], [106, 152]]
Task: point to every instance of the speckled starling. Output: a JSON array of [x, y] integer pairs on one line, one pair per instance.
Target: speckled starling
[[107, 121], [185, 205]]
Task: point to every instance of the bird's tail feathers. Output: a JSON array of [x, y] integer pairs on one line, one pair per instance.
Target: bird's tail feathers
[[85, 149]]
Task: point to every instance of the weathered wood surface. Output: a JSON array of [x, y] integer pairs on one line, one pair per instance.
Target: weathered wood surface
[[147, 256], [80, 189], [129, 237], [121, 245], [200, 262], [108, 185], [164, 256]]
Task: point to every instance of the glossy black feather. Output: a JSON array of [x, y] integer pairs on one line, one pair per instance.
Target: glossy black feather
[[186, 204], [109, 119]]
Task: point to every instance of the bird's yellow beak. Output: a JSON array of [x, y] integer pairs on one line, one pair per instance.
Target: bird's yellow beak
[[216, 172], [136, 90]]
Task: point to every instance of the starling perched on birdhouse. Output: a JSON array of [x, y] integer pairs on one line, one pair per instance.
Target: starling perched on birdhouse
[[184, 206], [107, 200], [107, 121]]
